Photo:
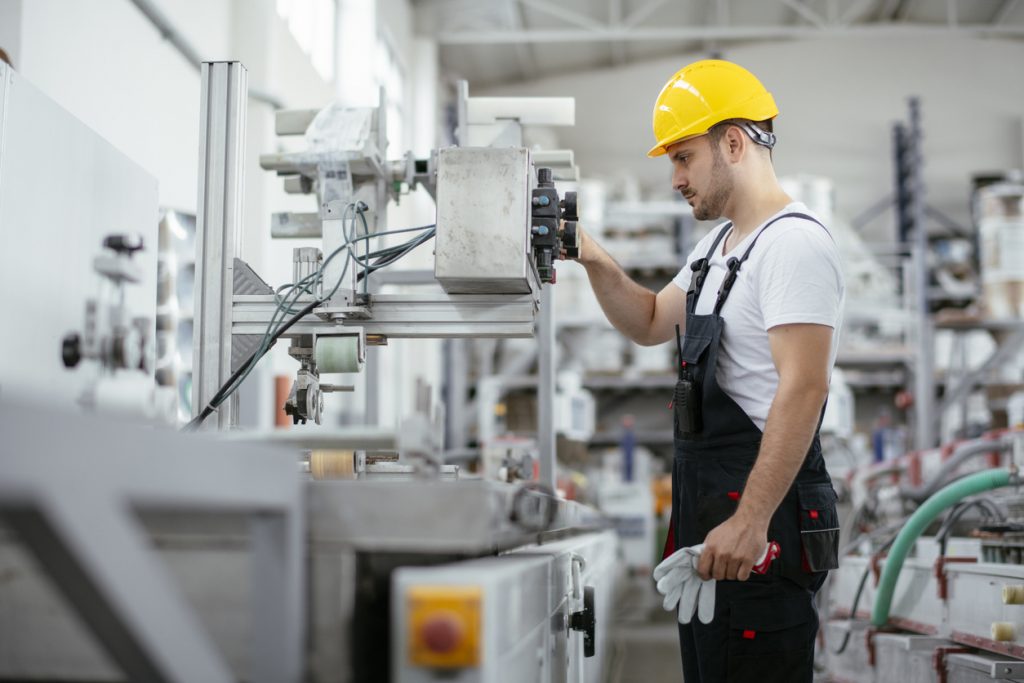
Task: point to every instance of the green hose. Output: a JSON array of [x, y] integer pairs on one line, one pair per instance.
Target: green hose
[[918, 522]]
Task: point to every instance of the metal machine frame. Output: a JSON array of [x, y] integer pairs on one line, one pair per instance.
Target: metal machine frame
[[78, 517], [193, 557], [240, 314]]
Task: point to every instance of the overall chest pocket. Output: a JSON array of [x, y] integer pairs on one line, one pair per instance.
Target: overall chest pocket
[[694, 348], [819, 526], [688, 396]]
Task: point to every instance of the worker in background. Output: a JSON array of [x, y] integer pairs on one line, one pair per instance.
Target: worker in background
[[756, 313]]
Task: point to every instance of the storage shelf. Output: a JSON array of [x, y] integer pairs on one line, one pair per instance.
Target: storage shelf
[[620, 383], [873, 359], [990, 325], [651, 437]]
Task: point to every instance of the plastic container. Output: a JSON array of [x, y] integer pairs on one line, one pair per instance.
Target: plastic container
[[1000, 210]]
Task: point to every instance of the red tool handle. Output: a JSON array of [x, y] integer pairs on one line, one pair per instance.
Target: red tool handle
[[772, 553]]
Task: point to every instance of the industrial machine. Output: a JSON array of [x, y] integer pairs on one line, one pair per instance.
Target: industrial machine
[[929, 586], [319, 554]]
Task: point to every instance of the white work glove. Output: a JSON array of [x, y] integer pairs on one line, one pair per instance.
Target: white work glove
[[677, 579]]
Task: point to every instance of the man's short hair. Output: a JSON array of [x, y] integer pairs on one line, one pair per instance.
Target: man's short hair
[[717, 131], [5, 58]]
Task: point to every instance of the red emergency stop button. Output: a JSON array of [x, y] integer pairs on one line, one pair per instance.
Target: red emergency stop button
[[442, 633]]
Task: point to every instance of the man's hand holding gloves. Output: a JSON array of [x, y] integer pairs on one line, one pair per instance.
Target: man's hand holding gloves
[[677, 579]]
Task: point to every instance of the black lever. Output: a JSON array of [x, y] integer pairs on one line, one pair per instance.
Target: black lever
[[586, 620]]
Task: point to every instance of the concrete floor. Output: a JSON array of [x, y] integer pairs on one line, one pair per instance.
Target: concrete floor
[[644, 646]]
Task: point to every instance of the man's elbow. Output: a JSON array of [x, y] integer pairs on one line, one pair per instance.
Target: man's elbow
[[651, 336], [810, 389], [646, 339]]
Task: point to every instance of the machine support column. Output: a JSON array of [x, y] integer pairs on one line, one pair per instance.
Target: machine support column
[[924, 367], [546, 385], [218, 230]]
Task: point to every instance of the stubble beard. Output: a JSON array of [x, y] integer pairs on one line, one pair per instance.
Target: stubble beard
[[719, 192]]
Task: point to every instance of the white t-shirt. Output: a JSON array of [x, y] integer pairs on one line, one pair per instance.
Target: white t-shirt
[[793, 275]]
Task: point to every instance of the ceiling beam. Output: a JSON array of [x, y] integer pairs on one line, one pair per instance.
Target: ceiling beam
[[888, 9], [804, 11], [903, 11], [615, 19], [857, 7], [569, 16], [638, 17], [524, 51], [1004, 11], [697, 33], [833, 11], [721, 18]]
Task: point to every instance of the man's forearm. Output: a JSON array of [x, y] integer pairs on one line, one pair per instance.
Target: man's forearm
[[791, 424], [628, 306]]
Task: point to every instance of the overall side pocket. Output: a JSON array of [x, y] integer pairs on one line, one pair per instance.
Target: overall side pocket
[[819, 526]]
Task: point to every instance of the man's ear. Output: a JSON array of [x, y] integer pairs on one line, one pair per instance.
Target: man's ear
[[734, 141]]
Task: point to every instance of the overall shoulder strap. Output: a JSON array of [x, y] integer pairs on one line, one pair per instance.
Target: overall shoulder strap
[[701, 266], [735, 264]]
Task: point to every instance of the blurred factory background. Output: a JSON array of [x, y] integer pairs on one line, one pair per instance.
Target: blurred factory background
[[453, 467]]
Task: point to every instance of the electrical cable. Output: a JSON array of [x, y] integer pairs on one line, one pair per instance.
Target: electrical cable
[[860, 590], [306, 285], [989, 508], [963, 453]]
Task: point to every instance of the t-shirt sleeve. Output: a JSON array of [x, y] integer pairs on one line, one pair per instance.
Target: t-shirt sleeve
[[800, 280]]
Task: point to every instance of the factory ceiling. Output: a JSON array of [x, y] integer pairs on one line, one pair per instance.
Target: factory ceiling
[[492, 42]]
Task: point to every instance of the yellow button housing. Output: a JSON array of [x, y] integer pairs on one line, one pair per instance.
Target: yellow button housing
[[443, 623]]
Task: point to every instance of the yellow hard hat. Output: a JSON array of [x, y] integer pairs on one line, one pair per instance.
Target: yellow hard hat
[[705, 93]]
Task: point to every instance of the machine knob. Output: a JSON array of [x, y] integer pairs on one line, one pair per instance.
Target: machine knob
[[534, 507], [545, 178], [571, 240], [123, 244], [586, 621], [71, 350], [570, 207]]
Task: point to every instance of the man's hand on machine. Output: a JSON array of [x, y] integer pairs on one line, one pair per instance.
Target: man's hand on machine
[[583, 245], [678, 580], [732, 550]]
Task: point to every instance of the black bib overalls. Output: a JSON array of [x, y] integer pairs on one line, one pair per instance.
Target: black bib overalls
[[764, 628]]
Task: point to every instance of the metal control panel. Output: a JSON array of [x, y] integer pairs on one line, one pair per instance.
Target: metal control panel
[[483, 221]]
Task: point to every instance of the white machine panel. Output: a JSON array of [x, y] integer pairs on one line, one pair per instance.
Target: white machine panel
[[976, 603], [62, 190], [520, 622]]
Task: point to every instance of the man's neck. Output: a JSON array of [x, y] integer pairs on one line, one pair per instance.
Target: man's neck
[[754, 209]]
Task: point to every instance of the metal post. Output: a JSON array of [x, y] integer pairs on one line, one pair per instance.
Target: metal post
[[218, 230], [277, 597], [546, 385], [462, 114], [924, 368], [456, 389]]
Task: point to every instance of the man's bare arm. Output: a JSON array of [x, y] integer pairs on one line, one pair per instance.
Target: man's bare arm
[[801, 354], [637, 312]]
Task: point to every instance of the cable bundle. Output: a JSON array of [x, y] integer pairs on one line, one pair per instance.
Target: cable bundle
[[286, 304]]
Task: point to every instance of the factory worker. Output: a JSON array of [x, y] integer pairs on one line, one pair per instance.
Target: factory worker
[[756, 313]]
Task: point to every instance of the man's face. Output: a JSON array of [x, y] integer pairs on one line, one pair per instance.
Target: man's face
[[701, 175]]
